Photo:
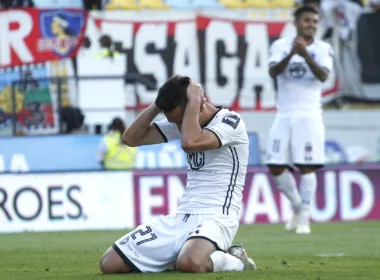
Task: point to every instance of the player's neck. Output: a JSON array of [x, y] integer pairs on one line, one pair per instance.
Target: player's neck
[[309, 40], [208, 112]]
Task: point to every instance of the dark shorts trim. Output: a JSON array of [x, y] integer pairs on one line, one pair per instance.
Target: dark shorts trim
[[125, 259], [208, 239]]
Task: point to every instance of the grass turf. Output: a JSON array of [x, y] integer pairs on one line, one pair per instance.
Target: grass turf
[[75, 255]]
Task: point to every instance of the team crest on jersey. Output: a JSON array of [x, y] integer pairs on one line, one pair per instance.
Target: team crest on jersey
[[196, 160], [231, 120], [297, 70], [124, 241]]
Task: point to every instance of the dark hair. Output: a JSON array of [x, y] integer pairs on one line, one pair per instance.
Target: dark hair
[[172, 93], [304, 9], [118, 124]]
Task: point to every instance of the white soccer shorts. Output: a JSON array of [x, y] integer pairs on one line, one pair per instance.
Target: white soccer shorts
[[154, 247], [297, 140]]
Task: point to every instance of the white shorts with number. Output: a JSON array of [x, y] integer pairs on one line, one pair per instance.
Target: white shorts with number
[[154, 247], [297, 140]]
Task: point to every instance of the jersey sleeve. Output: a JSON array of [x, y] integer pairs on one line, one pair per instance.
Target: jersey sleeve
[[230, 130], [168, 130], [325, 58], [275, 52]]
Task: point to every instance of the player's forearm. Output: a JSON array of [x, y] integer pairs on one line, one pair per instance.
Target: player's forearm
[[191, 130], [138, 129], [318, 71], [278, 68]]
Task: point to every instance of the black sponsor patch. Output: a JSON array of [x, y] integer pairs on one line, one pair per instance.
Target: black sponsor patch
[[231, 120]]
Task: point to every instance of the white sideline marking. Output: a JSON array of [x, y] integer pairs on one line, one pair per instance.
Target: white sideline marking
[[330, 255]]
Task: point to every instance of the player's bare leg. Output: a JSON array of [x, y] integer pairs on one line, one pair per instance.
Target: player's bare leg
[[308, 186], [200, 255], [112, 263], [287, 185]]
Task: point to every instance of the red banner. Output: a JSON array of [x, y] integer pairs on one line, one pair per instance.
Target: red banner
[[227, 55], [30, 36]]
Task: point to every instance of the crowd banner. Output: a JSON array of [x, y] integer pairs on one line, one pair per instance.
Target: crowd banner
[[125, 199], [30, 36], [228, 54]]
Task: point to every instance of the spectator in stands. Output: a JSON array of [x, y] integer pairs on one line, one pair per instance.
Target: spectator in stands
[[107, 47], [16, 4], [113, 153]]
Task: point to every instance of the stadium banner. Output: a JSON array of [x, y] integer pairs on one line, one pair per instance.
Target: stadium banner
[[124, 199], [30, 36], [66, 201], [345, 193], [228, 54], [79, 152]]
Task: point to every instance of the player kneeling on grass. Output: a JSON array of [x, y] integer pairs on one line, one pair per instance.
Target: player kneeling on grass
[[199, 236]]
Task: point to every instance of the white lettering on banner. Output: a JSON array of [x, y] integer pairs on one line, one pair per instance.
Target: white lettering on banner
[[150, 41], [349, 211], [255, 74], [261, 188], [170, 156], [113, 29], [175, 191], [263, 202], [148, 201], [327, 212], [17, 163], [186, 56], [13, 39], [221, 52]]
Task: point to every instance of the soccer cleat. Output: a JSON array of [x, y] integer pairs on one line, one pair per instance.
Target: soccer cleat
[[239, 252], [303, 229], [291, 225], [303, 226]]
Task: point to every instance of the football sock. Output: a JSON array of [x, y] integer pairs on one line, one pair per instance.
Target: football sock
[[287, 185], [226, 262], [308, 188]]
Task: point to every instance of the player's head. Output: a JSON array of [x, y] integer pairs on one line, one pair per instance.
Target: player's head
[[60, 26], [306, 20], [172, 99], [313, 3]]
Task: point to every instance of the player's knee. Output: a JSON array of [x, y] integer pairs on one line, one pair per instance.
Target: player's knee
[[190, 264], [111, 263], [106, 265]]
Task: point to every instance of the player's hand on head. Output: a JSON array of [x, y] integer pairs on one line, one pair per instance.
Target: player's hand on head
[[194, 90]]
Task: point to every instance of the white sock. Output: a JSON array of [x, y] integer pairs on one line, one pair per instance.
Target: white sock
[[308, 188], [287, 185], [226, 262]]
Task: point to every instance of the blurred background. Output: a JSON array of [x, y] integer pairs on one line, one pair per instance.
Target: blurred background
[[74, 74]]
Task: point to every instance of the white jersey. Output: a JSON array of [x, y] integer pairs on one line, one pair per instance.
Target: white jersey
[[215, 178], [299, 91]]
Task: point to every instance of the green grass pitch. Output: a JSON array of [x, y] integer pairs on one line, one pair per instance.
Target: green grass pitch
[[333, 251]]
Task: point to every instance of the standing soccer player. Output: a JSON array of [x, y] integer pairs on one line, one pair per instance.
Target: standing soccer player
[[199, 236], [297, 135]]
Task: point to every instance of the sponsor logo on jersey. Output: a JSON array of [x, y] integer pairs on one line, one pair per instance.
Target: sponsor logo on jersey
[[231, 120]]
